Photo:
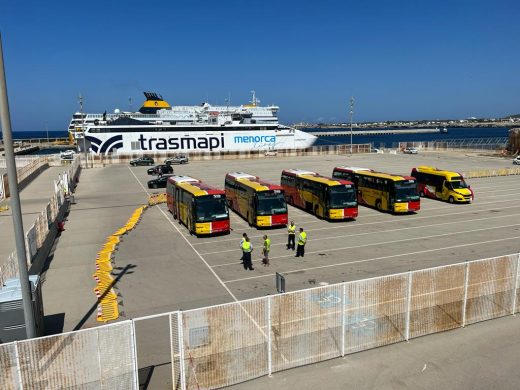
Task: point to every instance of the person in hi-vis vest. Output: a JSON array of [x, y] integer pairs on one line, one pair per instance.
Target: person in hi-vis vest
[[302, 240], [291, 230], [247, 248]]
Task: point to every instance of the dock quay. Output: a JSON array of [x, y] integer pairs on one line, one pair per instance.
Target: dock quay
[[372, 132], [190, 297]]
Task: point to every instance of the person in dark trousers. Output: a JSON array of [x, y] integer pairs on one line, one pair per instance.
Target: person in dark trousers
[[291, 230], [247, 248], [302, 240], [244, 236], [265, 250]]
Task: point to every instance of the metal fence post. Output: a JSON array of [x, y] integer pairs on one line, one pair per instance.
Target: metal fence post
[[517, 268], [134, 357], [343, 320], [464, 302], [269, 341], [408, 306], [181, 349], [18, 367]]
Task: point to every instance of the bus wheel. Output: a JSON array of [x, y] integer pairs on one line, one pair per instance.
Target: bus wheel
[[451, 200], [378, 205]]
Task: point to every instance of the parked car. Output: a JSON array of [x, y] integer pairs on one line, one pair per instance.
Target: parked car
[[376, 150], [160, 182], [516, 160], [142, 161], [410, 151], [178, 159], [160, 169], [67, 154]]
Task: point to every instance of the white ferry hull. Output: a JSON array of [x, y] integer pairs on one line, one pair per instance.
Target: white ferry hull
[[195, 141]]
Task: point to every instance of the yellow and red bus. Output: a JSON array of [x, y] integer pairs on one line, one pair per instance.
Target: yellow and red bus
[[201, 208], [444, 185], [325, 197], [384, 191], [262, 204]]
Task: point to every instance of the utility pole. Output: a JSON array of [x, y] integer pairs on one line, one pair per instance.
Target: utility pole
[[5, 121], [83, 129], [351, 112]]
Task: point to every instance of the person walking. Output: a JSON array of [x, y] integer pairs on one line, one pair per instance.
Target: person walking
[[244, 236], [291, 230], [302, 240], [247, 248], [265, 250]]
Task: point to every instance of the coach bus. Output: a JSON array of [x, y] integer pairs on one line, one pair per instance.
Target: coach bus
[[262, 204], [327, 198], [201, 208], [444, 185], [385, 192]]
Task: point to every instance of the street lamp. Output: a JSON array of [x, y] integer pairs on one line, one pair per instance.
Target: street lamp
[[83, 129], [351, 112]]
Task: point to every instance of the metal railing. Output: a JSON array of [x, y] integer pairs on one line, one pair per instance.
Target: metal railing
[[497, 143]]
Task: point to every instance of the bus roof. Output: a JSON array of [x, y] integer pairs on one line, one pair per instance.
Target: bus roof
[[194, 186], [253, 182], [372, 173], [439, 172], [313, 176], [352, 169]]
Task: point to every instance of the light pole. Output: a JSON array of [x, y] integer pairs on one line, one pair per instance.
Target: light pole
[[5, 122], [83, 129], [351, 112]]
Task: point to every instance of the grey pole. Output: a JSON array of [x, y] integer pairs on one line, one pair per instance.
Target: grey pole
[[83, 129], [5, 121], [351, 112]]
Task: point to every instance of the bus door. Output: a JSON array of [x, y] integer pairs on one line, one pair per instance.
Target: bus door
[[447, 188], [175, 202], [439, 187]]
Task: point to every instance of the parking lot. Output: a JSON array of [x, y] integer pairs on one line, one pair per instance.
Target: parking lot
[[375, 244], [163, 268]]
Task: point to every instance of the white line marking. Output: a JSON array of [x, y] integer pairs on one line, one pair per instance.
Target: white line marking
[[383, 243], [375, 259], [185, 239], [360, 224], [384, 231]]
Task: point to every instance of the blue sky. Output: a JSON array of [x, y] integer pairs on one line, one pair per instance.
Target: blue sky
[[408, 59]]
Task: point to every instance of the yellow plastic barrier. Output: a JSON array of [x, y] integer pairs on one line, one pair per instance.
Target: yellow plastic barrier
[[104, 266], [156, 199], [104, 257], [108, 311], [106, 294], [4, 208]]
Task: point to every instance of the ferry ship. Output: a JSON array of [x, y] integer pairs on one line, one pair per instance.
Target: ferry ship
[[159, 127]]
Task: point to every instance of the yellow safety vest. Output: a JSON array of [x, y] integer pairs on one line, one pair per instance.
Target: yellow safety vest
[[291, 229], [246, 246], [267, 244], [302, 239]]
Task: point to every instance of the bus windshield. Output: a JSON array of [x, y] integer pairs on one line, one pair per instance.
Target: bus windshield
[[210, 208], [458, 183], [406, 190], [271, 203], [342, 196]]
